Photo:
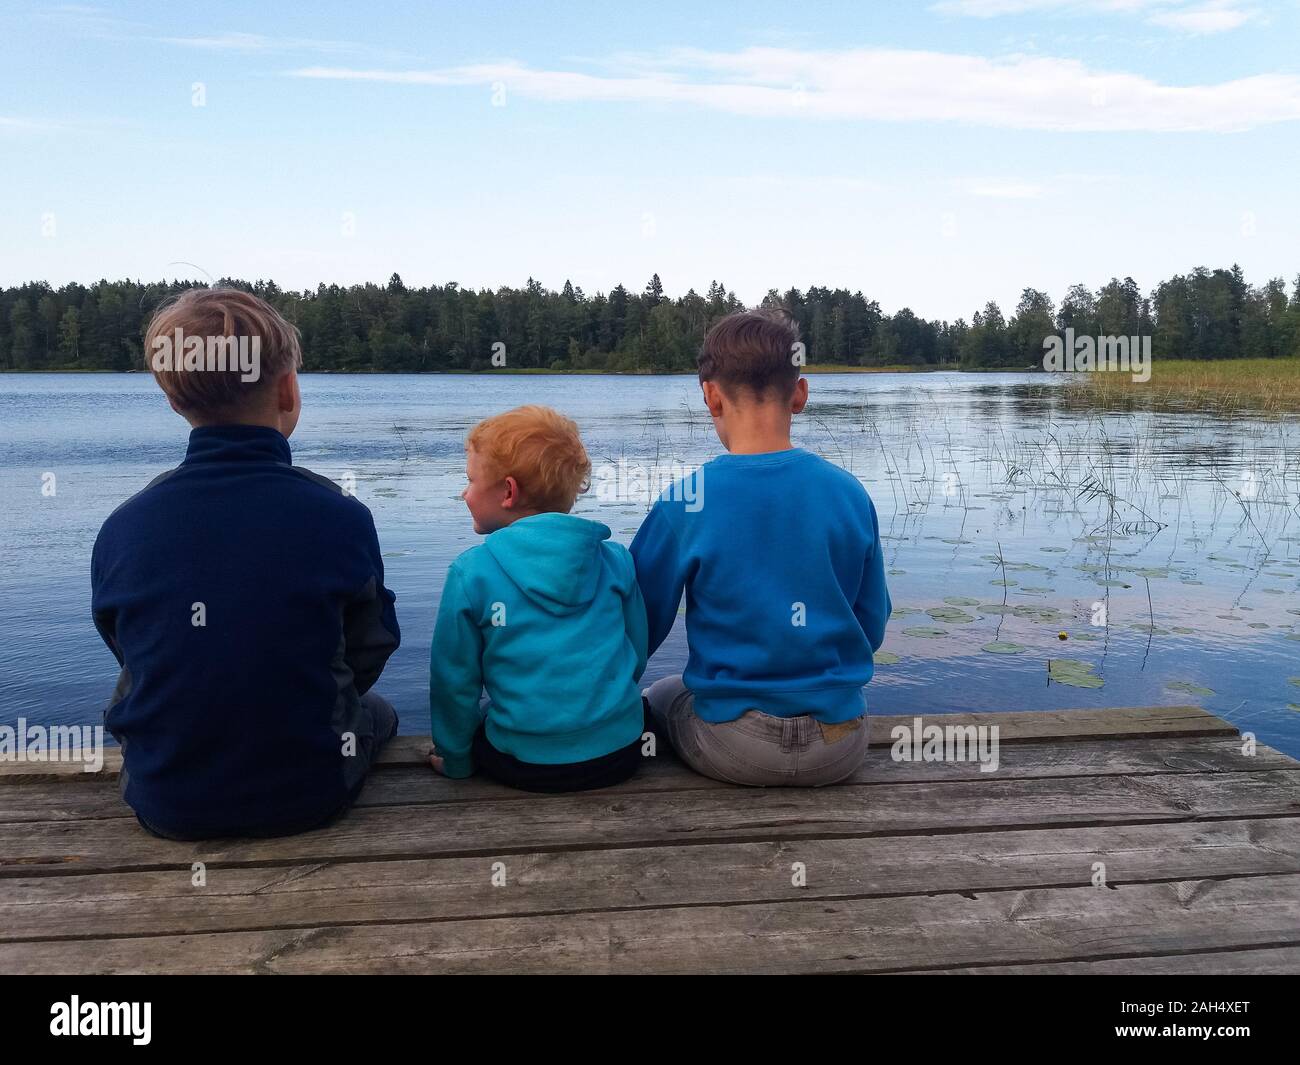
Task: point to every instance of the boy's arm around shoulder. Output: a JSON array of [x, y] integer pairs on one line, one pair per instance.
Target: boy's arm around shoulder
[[660, 573], [370, 630], [872, 606], [634, 616], [455, 677]]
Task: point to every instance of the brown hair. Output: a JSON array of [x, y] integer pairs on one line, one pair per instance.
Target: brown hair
[[227, 322], [541, 449], [752, 351]]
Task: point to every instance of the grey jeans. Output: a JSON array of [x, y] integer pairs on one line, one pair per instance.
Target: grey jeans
[[757, 748]]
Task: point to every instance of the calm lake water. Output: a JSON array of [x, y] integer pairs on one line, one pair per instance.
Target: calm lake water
[[1167, 546]]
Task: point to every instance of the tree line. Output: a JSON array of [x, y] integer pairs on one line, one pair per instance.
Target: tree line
[[1205, 314]]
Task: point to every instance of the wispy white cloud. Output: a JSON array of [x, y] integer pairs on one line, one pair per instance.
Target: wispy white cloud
[[998, 8], [23, 125], [1015, 187], [993, 190], [88, 21], [888, 85], [1188, 16], [256, 42], [1213, 17]]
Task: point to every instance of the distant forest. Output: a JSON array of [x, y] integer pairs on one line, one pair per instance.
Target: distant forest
[[1206, 314]]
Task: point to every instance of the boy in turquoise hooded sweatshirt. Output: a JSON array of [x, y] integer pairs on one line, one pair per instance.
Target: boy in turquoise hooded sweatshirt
[[545, 614]]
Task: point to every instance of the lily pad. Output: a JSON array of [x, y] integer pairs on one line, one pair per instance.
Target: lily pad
[[886, 658], [950, 615], [926, 632], [960, 600], [1073, 672], [1187, 686], [1002, 647], [1044, 615]]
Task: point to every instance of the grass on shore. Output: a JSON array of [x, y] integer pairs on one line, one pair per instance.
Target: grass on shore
[[1271, 385], [815, 367]]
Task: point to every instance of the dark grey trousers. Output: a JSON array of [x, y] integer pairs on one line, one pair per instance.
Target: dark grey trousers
[[375, 726], [757, 749]]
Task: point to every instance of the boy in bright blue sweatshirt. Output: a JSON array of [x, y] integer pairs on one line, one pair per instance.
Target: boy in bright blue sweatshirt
[[545, 615], [778, 552]]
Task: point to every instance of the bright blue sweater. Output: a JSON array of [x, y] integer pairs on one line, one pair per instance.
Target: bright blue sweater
[[546, 615], [780, 559]]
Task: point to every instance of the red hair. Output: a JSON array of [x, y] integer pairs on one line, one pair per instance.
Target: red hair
[[541, 449]]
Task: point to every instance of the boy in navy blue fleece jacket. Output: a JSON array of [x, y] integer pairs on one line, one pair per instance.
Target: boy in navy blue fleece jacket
[[243, 597], [778, 553]]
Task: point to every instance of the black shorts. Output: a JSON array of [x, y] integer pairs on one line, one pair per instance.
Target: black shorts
[[603, 772]]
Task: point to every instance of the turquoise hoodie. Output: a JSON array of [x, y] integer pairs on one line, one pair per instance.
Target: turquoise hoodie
[[547, 616]]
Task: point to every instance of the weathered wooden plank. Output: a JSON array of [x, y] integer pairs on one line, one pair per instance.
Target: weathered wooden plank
[[303, 895], [417, 784], [611, 819], [1017, 761], [55, 772], [857, 935], [1014, 727], [1263, 961]]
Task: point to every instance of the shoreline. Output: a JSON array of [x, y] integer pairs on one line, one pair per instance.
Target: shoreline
[[539, 371], [1221, 385]]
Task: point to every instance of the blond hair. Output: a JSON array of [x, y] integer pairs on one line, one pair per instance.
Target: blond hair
[[224, 320], [541, 449]]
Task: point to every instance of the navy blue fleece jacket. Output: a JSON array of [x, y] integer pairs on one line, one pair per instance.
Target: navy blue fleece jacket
[[244, 599]]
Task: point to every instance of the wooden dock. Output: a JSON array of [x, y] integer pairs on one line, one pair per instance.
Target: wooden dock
[[910, 867]]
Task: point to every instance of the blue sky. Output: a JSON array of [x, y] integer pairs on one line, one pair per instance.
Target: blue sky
[[934, 155]]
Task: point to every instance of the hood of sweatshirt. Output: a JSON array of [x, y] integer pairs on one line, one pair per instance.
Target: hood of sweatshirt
[[554, 559]]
